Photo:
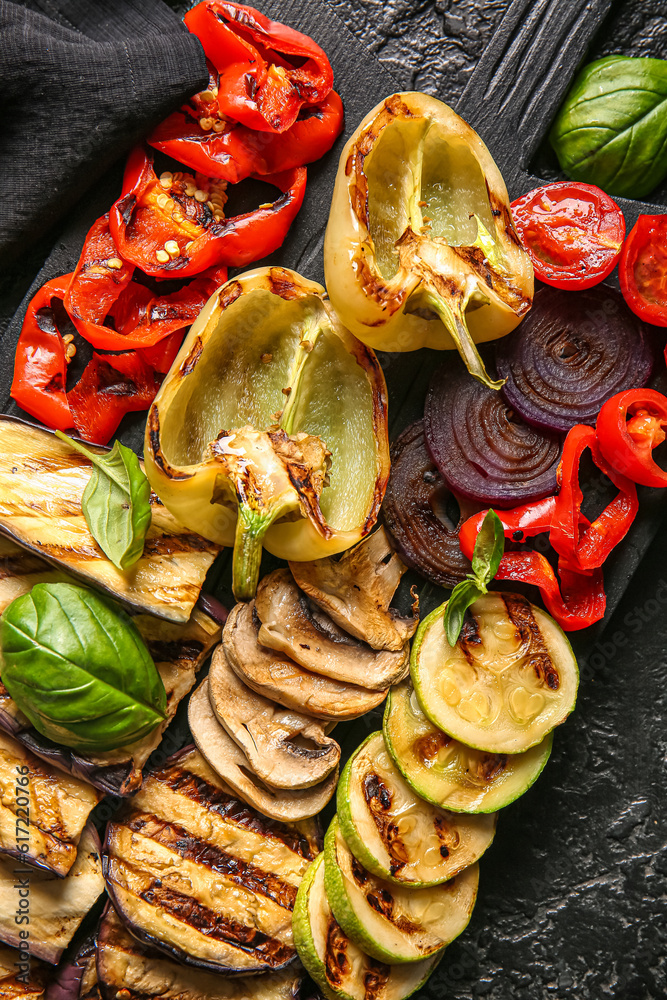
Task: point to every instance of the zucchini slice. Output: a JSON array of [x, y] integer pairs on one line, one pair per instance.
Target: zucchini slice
[[394, 833], [394, 924], [510, 679], [448, 773], [201, 876], [339, 967]]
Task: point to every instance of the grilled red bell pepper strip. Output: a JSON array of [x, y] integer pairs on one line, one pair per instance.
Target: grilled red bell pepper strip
[[110, 387], [174, 227], [161, 356], [40, 366], [221, 148], [582, 551], [268, 71], [629, 426]]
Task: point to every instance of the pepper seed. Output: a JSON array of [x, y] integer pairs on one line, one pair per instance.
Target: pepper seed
[[206, 124], [68, 338], [115, 263], [207, 96], [162, 256], [200, 195], [162, 200], [70, 351], [189, 244], [219, 126], [172, 248], [265, 358], [266, 204]]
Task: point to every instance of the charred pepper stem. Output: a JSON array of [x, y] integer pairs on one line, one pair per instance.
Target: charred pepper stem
[[453, 318], [251, 527]]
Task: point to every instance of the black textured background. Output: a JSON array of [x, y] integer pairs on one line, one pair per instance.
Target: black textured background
[[573, 894]]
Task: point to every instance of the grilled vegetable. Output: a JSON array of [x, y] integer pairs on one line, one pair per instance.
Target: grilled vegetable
[[41, 809], [42, 481], [55, 907], [420, 249], [177, 650], [448, 773], [284, 749], [309, 636], [392, 923], [76, 975], [394, 833], [199, 875], [242, 433], [126, 965], [337, 965], [277, 677], [356, 591], [509, 680], [230, 763], [30, 986]]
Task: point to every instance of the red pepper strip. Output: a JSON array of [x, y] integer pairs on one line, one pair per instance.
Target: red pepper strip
[[627, 444], [238, 151], [145, 231], [99, 278], [40, 368], [109, 388], [587, 550], [268, 71], [523, 522], [161, 356]]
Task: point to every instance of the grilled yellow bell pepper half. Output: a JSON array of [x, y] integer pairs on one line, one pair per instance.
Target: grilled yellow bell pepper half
[[271, 427], [420, 248]]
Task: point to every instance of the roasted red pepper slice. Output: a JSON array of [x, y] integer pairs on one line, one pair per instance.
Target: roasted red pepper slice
[[110, 387], [161, 356], [642, 269], [174, 227], [40, 368], [583, 551], [268, 71], [629, 426], [234, 152]]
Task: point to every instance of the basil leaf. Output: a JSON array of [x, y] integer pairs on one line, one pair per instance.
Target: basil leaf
[[488, 551], [77, 666], [116, 502], [464, 594], [612, 127]]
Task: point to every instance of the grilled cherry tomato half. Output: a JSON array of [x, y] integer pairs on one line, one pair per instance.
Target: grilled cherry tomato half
[[572, 231], [630, 425], [642, 269]]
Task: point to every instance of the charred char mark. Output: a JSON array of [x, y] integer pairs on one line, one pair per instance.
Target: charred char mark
[[156, 449], [490, 766], [448, 836], [427, 747], [126, 207], [470, 636], [521, 615], [380, 899], [230, 809], [216, 925], [335, 955], [67, 553], [281, 284], [229, 293], [375, 979], [359, 873], [379, 799], [192, 359], [169, 545], [172, 651]]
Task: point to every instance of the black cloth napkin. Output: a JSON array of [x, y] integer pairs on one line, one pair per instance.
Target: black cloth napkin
[[80, 82]]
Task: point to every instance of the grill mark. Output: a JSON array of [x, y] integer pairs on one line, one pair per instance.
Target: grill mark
[[521, 615], [335, 954], [490, 766], [167, 545], [48, 463], [428, 746], [375, 979], [209, 797], [470, 636], [22, 565], [173, 651], [379, 800], [51, 550], [449, 838], [200, 852], [381, 900]]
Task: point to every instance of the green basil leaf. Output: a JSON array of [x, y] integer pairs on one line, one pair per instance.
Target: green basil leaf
[[612, 127], [464, 594], [488, 551], [116, 502], [77, 666]]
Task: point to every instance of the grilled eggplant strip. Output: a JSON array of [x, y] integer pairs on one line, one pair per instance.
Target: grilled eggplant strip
[[199, 875], [178, 650], [125, 964], [53, 815], [13, 988], [56, 906], [42, 481]]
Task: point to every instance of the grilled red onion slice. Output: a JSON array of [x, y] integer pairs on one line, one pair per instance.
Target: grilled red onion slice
[[482, 448], [415, 512], [573, 351]]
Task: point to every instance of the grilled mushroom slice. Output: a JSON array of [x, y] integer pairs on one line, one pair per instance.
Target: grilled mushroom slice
[[285, 749], [356, 591], [229, 761], [201, 876], [293, 625], [124, 964], [276, 676]]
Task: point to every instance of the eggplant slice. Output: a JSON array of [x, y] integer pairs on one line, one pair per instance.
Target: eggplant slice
[[142, 973], [284, 749], [55, 906], [356, 591], [76, 976], [13, 988], [40, 808], [292, 625], [279, 678], [177, 649], [228, 760], [201, 876], [42, 480]]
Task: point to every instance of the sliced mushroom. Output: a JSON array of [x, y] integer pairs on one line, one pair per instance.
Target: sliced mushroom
[[229, 761], [285, 749], [357, 589], [281, 679], [294, 625]]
